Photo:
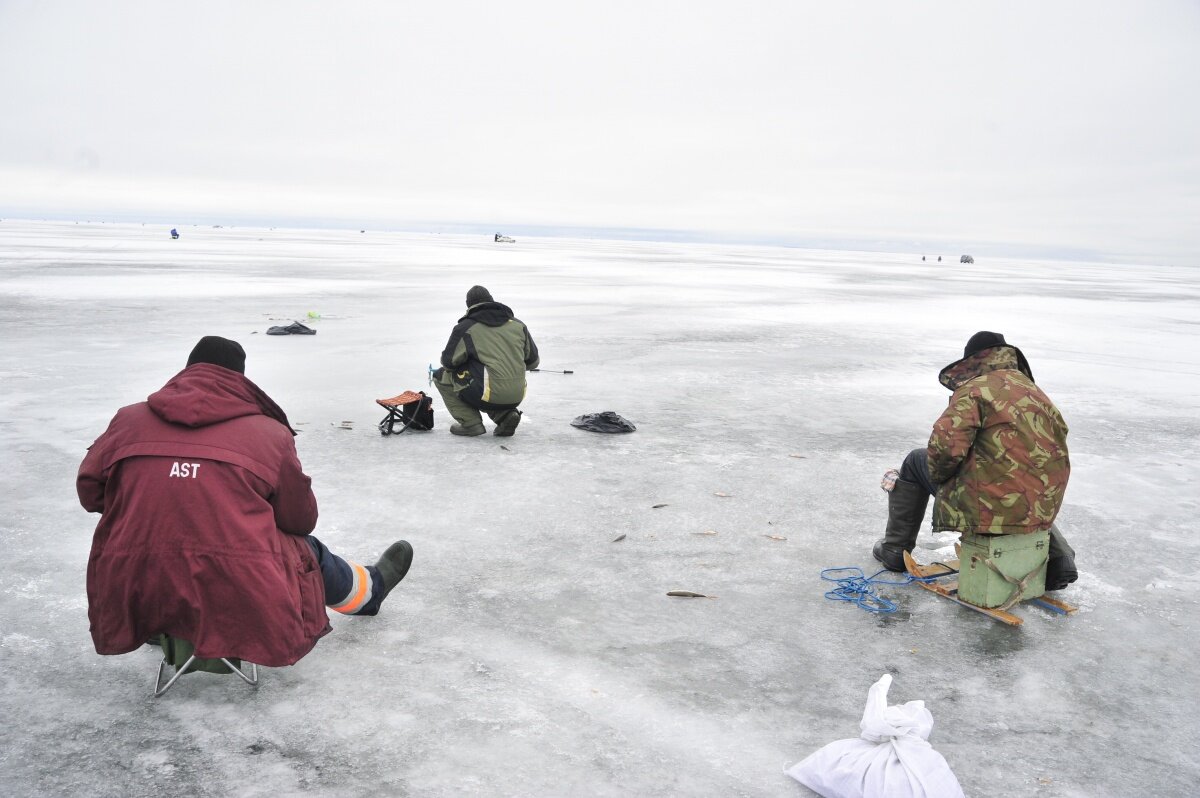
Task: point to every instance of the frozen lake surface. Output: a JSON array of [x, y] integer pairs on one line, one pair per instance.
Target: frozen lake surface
[[527, 654]]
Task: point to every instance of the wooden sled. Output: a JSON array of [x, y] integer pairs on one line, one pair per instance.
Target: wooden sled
[[947, 587]]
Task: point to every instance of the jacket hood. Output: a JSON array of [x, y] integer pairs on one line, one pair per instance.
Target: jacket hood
[[994, 359], [206, 394], [493, 314]]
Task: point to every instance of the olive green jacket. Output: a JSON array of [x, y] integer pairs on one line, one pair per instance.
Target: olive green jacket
[[999, 452], [487, 356]]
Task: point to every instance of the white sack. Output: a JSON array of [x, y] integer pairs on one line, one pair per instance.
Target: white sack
[[890, 759]]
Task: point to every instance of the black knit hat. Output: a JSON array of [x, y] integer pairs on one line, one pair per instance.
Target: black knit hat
[[988, 340], [219, 352], [478, 294]]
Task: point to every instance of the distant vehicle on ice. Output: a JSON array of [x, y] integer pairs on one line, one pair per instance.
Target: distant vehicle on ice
[[174, 233], [966, 259], [504, 239]]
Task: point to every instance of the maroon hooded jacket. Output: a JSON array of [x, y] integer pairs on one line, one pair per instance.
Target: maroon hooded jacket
[[203, 509]]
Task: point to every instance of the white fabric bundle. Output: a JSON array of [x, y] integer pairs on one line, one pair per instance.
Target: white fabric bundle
[[891, 758]]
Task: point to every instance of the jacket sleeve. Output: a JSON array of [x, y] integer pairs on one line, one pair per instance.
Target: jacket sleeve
[[455, 353], [294, 503], [531, 352], [953, 436], [89, 483]]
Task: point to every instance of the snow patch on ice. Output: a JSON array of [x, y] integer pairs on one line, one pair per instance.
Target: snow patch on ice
[[23, 643]]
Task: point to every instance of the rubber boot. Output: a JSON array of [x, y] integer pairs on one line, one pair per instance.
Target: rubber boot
[[394, 564], [906, 511], [507, 424], [1060, 569], [470, 432]]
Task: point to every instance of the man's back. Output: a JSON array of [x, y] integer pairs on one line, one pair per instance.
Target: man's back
[[999, 451], [195, 487], [496, 349]]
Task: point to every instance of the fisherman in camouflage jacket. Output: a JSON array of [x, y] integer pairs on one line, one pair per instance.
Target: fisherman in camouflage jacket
[[996, 461]]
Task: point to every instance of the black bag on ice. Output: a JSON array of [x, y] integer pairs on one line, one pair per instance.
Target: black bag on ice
[[608, 421]]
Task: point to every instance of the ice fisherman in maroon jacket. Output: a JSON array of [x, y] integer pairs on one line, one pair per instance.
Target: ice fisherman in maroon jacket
[[205, 524]]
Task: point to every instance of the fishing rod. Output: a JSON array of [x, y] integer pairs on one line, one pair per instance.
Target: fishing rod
[[547, 371]]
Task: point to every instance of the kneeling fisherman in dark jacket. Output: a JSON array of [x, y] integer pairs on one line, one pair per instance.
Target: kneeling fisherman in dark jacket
[[484, 365]]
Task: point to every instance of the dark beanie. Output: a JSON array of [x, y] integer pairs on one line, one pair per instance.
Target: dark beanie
[[987, 340], [219, 352], [478, 294]]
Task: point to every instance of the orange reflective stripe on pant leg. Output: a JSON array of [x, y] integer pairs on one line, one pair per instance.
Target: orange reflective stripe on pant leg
[[360, 593]]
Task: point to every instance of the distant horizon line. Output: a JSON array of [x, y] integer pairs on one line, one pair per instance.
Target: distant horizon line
[[951, 249]]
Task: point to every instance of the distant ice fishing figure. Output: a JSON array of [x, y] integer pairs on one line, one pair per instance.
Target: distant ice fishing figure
[[503, 239], [174, 233]]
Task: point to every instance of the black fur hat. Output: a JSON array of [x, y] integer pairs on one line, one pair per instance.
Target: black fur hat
[[983, 340], [988, 340], [219, 352]]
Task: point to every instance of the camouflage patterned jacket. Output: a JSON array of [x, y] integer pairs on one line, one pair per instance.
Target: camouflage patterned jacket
[[999, 453]]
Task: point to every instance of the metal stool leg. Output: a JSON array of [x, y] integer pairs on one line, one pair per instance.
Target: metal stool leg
[[159, 687], [193, 663], [253, 679]]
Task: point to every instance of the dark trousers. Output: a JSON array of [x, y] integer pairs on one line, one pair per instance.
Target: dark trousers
[[464, 409], [350, 588], [916, 469]]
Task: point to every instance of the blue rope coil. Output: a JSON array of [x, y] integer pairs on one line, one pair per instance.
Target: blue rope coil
[[856, 587]]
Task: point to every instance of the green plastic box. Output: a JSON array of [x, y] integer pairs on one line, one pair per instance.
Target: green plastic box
[[1015, 556]]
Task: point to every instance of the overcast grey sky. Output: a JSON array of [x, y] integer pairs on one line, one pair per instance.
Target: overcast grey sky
[[1069, 125]]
